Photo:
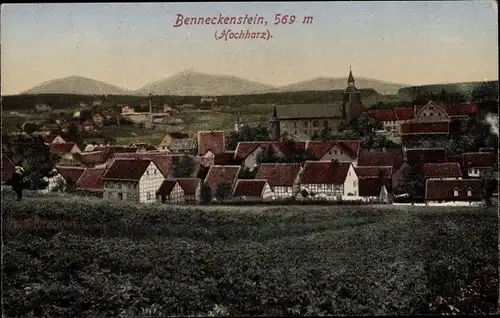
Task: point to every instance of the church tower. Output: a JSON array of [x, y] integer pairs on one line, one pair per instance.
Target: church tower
[[274, 127], [351, 106], [238, 124]]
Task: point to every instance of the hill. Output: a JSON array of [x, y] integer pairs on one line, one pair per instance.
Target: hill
[[109, 258], [76, 85], [465, 88], [194, 83], [328, 83]]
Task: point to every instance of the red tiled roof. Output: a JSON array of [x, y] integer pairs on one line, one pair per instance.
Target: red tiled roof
[[324, 172], [279, 174], [189, 185], [405, 113], [287, 148], [70, 174], [442, 170], [62, 148], [427, 127], [213, 141], [127, 169], [91, 158], [221, 174], [465, 109], [226, 159], [373, 171], [165, 163], [245, 148], [382, 114], [442, 189], [91, 179], [7, 168], [166, 187], [319, 148], [249, 187], [381, 157], [426, 155], [371, 187], [478, 160]]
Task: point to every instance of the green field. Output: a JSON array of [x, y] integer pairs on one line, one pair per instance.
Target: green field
[[73, 257]]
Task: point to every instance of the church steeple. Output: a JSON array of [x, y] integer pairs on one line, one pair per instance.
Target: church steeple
[[350, 80], [274, 126]]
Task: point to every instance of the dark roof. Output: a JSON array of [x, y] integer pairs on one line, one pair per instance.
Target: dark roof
[[213, 141], [426, 155], [226, 159], [382, 114], [279, 174], [404, 113], [7, 168], [373, 171], [298, 111], [70, 174], [442, 170], [427, 127], [479, 160], [442, 189], [381, 157], [324, 172], [249, 187], [465, 109], [62, 148], [189, 185], [91, 179], [222, 174], [127, 169], [350, 79]]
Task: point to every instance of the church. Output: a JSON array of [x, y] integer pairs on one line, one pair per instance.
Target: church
[[302, 121]]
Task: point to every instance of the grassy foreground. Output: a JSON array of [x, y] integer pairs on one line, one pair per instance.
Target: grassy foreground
[[81, 257]]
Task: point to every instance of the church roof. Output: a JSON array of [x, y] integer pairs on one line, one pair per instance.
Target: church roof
[[299, 111], [351, 78]]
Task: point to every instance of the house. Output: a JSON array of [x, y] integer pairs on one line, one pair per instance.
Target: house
[[211, 143], [43, 107], [170, 192], [126, 109], [191, 188], [88, 125], [222, 177], [327, 150], [448, 192], [247, 152], [132, 180], [183, 146], [305, 120], [331, 180], [416, 130], [165, 162], [282, 177], [62, 176], [425, 155], [165, 143], [64, 150], [392, 118], [91, 180], [432, 111], [443, 170], [92, 159], [212, 100], [252, 190], [381, 157], [373, 189], [8, 168], [476, 162]]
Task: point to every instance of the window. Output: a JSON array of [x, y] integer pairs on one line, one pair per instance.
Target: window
[[335, 152], [294, 124], [469, 193], [455, 193], [341, 152], [154, 171], [305, 132], [439, 114], [305, 124], [120, 196], [315, 123], [148, 195], [430, 114], [147, 172], [325, 123], [355, 183], [431, 108]]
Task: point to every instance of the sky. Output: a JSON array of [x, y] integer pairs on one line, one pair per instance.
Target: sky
[[130, 45]]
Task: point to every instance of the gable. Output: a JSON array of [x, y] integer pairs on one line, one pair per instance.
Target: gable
[[431, 109]]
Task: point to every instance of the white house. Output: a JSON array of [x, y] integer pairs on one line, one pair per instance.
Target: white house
[[282, 177], [331, 180], [133, 180], [248, 151], [341, 150], [449, 192], [252, 190], [179, 191]]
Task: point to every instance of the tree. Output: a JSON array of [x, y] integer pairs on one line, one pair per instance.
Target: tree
[[205, 193], [223, 191], [414, 182], [348, 135], [377, 141], [30, 127], [246, 133], [249, 174], [109, 140], [366, 125], [267, 156], [184, 166], [489, 181]]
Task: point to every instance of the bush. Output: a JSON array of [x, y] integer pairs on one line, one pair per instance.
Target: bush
[[79, 256]]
